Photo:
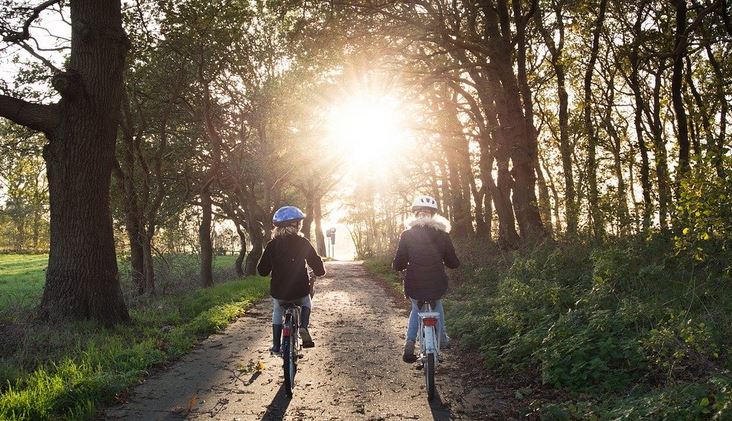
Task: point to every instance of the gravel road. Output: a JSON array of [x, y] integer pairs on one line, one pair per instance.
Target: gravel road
[[354, 372]]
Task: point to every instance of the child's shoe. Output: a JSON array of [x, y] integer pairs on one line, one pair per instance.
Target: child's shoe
[[307, 340], [409, 356], [276, 338]]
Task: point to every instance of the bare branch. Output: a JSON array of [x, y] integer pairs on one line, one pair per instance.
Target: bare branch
[[34, 116], [25, 34], [44, 60]]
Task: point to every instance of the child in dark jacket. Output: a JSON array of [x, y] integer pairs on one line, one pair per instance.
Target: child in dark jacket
[[286, 256], [424, 250]]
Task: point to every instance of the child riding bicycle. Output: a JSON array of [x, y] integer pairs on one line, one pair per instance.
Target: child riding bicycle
[[424, 250], [286, 256]]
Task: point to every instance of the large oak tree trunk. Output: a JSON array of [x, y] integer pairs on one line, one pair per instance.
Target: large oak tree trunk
[[82, 279]]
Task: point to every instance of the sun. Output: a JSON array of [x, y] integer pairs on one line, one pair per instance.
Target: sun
[[367, 130]]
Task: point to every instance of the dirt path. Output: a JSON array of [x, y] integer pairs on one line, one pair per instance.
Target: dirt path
[[355, 371]]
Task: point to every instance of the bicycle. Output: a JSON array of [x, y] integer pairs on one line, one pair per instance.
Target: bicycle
[[429, 344], [291, 345]]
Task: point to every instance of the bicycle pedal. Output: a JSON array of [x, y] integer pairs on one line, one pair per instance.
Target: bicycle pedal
[[419, 366]]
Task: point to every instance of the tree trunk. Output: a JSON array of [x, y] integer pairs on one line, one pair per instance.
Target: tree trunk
[[204, 238], [718, 146], [239, 262], [137, 262], [307, 223], [500, 190], [521, 22], [664, 187], [452, 147], [501, 193], [318, 219], [622, 211], [677, 81], [148, 264], [544, 203], [257, 238], [82, 281], [520, 144], [645, 171], [592, 140]]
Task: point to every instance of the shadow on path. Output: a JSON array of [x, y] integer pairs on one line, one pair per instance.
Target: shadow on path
[[277, 408], [439, 410]]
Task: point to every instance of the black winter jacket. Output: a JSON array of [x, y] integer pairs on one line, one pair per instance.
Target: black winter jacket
[[285, 256], [424, 250]]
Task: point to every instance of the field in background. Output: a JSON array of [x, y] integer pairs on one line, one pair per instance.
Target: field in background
[[21, 279], [22, 276]]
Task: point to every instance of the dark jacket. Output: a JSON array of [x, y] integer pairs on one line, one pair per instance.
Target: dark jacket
[[285, 257], [424, 250]]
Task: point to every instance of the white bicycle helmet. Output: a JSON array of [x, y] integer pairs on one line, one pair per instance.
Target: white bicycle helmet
[[422, 202]]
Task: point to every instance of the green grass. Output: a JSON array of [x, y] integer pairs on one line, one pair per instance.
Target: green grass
[[21, 278], [69, 371], [382, 268]]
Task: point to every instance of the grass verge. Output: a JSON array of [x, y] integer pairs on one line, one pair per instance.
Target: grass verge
[[382, 269], [68, 371]]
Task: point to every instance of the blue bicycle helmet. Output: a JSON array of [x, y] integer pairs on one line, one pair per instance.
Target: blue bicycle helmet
[[286, 215]]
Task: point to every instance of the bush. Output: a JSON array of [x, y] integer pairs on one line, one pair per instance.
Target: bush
[[626, 330]]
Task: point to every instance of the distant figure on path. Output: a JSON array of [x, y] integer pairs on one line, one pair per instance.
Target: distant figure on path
[[424, 250], [286, 257]]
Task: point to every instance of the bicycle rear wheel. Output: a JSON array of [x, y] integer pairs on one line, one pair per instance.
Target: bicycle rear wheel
[[289, 357], [429, 376]]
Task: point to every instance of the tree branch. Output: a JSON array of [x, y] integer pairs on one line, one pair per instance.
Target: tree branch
[[25, 34], [32, 52], [34, 116]]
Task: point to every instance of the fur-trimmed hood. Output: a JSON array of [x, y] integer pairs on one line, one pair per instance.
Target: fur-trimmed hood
[[437, 222]]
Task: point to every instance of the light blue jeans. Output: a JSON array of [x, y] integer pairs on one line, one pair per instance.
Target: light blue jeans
[[413, 324], [277, 312]]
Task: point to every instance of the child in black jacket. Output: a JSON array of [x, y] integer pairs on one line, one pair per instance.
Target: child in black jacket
[[285, 256]]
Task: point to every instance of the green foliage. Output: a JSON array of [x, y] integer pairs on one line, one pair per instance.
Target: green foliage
[[66, 371], [678, 345], [711, 399], [705, 216], [629, 330], [382, 267]]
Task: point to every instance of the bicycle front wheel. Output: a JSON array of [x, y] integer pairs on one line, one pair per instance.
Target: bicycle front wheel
[[429, 376]]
